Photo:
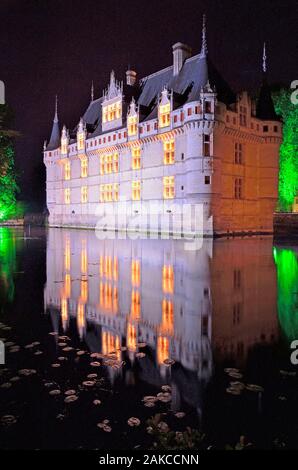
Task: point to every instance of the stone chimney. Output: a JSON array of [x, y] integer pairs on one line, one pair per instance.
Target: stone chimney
[[131, 77], [181, 52]]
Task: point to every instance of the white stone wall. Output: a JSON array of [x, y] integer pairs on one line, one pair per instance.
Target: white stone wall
[[190, 170]]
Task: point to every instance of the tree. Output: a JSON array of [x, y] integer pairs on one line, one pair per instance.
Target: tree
[[288, 162], [9, 208]]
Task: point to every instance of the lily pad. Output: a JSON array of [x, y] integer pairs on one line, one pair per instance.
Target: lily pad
[[70, 398], [133, 422], [8, 420]]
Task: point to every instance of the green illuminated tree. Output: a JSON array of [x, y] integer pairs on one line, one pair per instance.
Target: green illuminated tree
[[288, 163], [8, 185]]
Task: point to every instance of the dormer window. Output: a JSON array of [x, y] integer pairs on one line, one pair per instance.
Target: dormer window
[[132, 119], [164, 110], [81, 135], [64, 141], [132, 125], [112, 111], [112, 105]]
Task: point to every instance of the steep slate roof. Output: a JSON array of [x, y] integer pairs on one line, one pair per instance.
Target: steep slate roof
[[195, 72], [265, 107], [186, 86], [54, 141]]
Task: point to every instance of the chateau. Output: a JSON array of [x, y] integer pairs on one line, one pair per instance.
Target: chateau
[[177, 137]]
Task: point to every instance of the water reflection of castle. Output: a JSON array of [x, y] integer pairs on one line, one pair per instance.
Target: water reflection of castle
[[178, 302]]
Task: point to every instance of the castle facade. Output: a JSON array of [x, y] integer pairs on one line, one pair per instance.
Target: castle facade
[[177, 138]]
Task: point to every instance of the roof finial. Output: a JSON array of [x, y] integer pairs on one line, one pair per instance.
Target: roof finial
[[264, 66], [204, 49], [112, 77], [92, 91], [56, 109]]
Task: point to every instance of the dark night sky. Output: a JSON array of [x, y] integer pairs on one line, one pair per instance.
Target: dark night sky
[[60, 46]]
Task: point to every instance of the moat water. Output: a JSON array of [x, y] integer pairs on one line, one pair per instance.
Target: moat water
[[194, 342]]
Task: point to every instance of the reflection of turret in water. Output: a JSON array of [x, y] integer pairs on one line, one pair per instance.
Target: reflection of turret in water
[[244, 294]]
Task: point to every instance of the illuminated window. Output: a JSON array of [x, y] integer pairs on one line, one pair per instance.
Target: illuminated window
[[111, 344], [169, 152], [67, 171], [238, 153], [84, 290], [115, 269], [64, 311], [67, 255], [136, 190], [84, 167], [135, 272], [163, 349], [108, 267], [84, 258], [84, 194], [131, 337], [168, 279], [116, 192], [109, 163], [135, 310], [102, 164], [108, 297], [109, 192], [136, 158], [64, 141], [64, 144], [238, 188], [115, 163], [67, 285], [105, 296], [132, 125], [81, 140], [164, 109], [105, 265], [81, 321], [168, 187], [67, 195], [164, 115], [112, 111], [167, 316]]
